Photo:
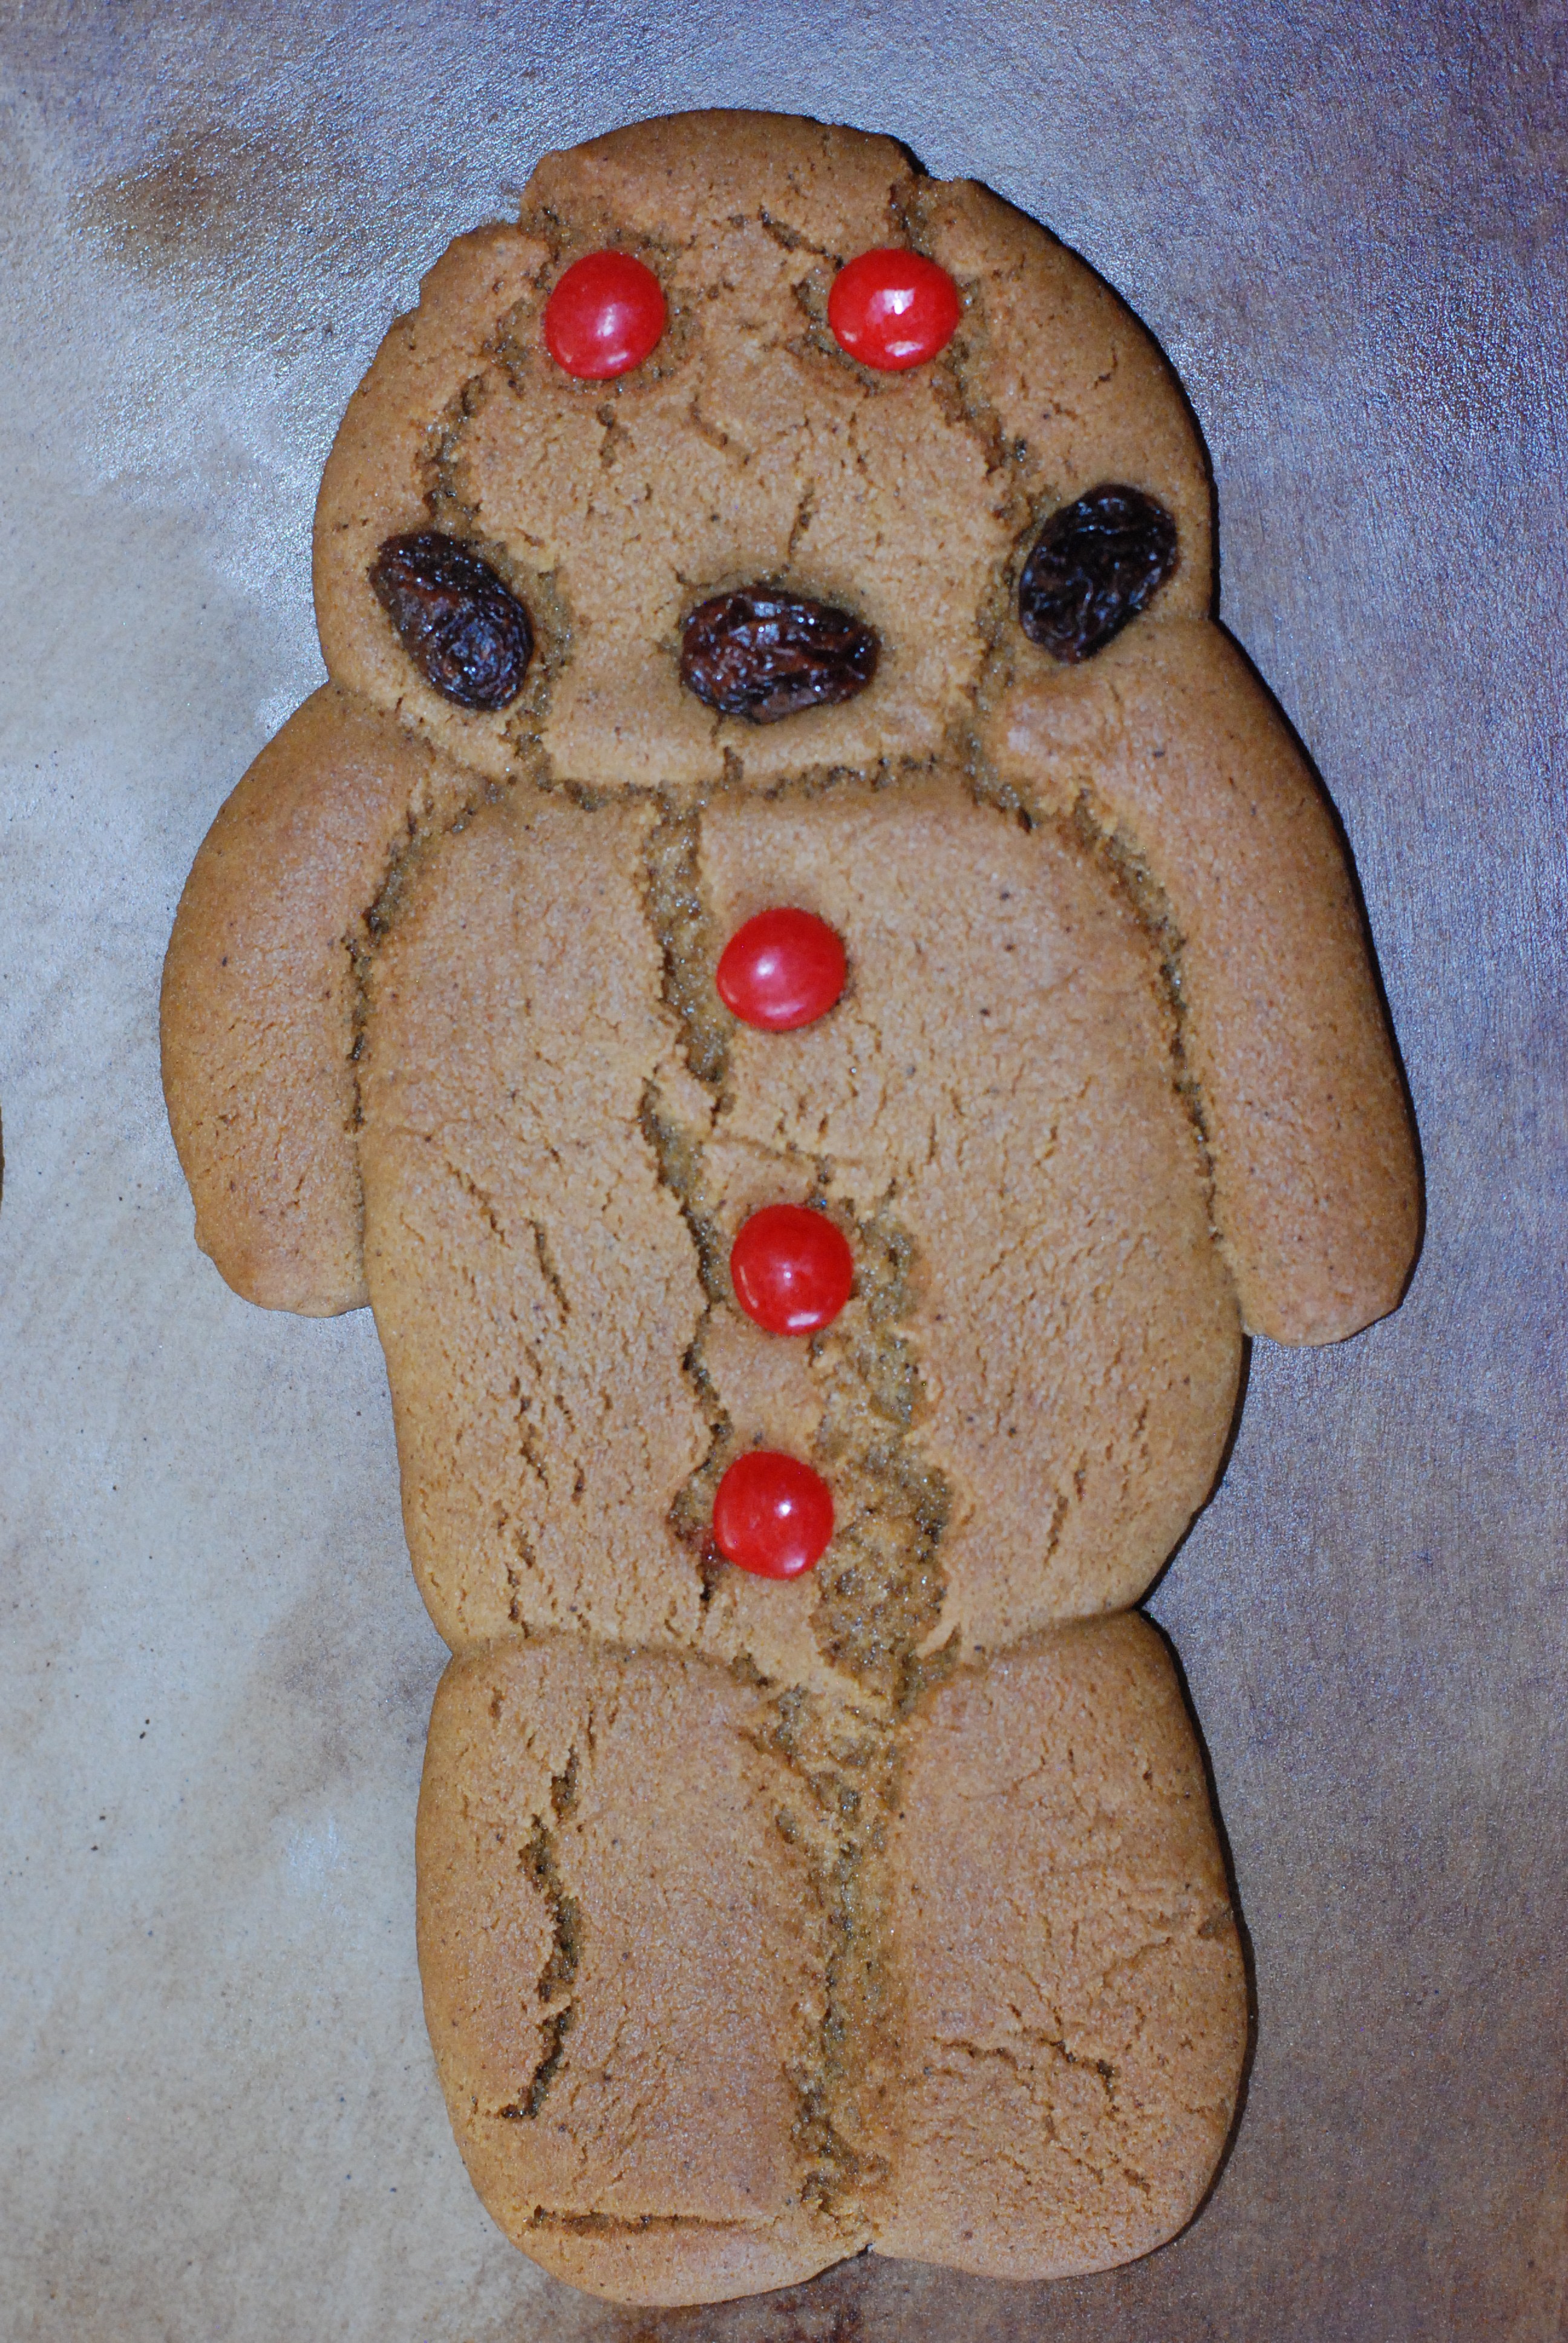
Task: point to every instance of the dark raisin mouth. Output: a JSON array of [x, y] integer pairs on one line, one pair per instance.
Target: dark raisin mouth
[[1095, 565], [763, 655], [465, 632]]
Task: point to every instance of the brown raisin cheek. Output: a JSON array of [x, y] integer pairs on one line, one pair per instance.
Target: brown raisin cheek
[[764, 655], [1095, 565], [465, 630]]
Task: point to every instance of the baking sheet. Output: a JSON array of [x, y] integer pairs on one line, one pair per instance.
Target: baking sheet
[[218, 2117]]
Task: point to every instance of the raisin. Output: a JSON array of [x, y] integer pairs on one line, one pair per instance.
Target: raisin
[[762, 655], [466, 633], [1095, 565]]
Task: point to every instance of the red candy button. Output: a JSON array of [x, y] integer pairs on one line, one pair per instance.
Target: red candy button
[[791, 1270], [604, 317], [772, 1515], [893, 309], [781, 970]]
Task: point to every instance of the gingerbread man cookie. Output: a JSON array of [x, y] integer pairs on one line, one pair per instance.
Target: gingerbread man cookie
[[810, 988]]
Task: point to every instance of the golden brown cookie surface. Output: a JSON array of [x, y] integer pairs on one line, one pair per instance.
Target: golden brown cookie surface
[[750, 446], [623, 1974], [1013, 2049], [1074, 2017], [991, 1104], [915, 1878]]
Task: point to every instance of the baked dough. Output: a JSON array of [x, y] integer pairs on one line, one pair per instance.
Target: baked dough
[[763, 1921]]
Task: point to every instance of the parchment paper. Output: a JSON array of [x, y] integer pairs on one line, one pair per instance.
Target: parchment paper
[[218, 2117]]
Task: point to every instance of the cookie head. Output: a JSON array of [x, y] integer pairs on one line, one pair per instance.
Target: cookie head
[[762, 433]]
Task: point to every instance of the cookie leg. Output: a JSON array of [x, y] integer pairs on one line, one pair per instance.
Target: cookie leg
[[621, 1969], [1072, 1989]]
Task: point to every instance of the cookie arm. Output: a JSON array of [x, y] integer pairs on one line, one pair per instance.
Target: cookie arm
[[260, 996], [1169, 745]]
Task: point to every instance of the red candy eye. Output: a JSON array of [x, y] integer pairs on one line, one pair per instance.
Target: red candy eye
[[791, 1270], [604, 317], [772, 1515], [782, 969], [892, 309]]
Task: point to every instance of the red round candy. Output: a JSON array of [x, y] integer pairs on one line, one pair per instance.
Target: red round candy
[[604, 317], [893, 309], [782, 969], [772, 1515], [791, 1270]]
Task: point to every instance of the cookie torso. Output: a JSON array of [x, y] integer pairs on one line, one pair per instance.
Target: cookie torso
[[1027, 1399]]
